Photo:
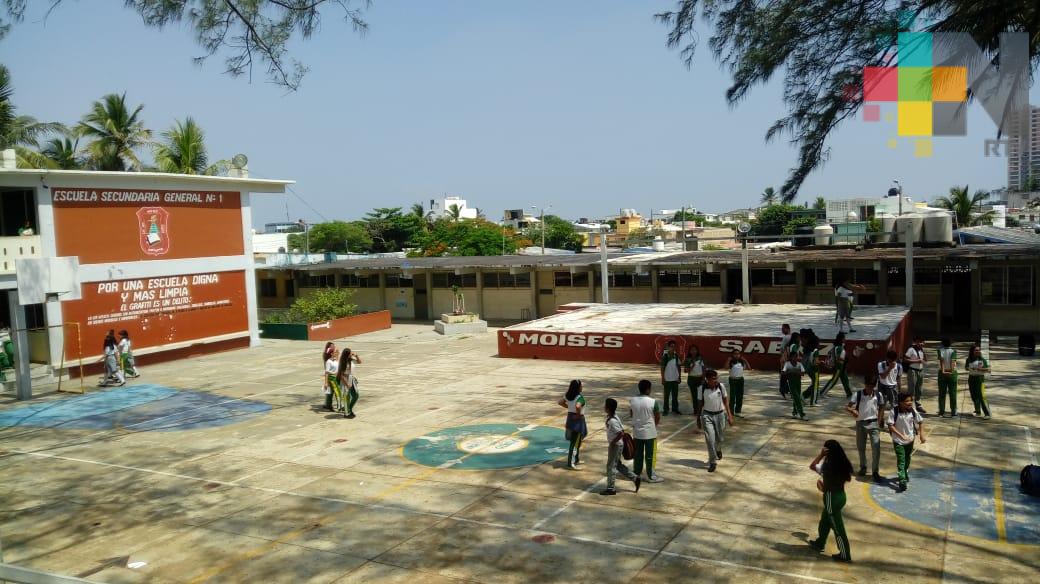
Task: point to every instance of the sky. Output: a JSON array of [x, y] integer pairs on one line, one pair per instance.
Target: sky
[[578, 107]]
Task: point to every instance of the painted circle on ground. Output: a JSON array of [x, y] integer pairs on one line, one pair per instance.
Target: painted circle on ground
[[978, 502], [487, 446]]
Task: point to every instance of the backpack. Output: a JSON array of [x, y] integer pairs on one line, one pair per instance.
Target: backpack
[[1029, 480], [877, 397], [628, 446]]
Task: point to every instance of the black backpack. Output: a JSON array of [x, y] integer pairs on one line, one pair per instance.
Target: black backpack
[[1029, 480]]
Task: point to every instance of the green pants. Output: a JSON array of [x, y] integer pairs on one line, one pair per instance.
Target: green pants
[[903, 454], [671, 391], [646, 452], [785, 387], [574, 449], [795, 384], [813, 393], [736, 393], [833, 503], [839, 375], [915, 379], [330, 380], [948, 386], [352, 396], [694, 383], [977, 389]]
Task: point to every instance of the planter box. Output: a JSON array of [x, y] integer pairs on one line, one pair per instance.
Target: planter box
[[329, 329]]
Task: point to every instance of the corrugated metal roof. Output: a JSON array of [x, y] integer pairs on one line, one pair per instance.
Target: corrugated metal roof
[[990, 233]]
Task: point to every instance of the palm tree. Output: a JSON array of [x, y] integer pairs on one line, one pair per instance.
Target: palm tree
[[116, 131], [820, 203], [419, 211], [768, 197], [21, 132], [183, 151], [967, 209], [63, 153], [454, 212]]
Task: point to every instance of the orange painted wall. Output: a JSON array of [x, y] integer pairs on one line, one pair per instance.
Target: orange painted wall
[[160, 311], [349, 326], [112, 225]]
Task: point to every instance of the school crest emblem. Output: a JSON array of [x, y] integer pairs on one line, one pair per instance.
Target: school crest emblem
[[153, 228]]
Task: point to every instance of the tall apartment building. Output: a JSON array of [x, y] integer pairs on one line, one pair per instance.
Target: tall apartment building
[[1024, 155]]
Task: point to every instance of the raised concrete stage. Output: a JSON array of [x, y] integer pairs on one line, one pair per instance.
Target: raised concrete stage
[[457, 324], [637, 333]]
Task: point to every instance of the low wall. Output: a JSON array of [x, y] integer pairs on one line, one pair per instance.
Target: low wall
[[349, 326]]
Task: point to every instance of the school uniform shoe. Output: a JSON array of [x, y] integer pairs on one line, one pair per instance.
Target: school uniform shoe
[[571, 467], [987, 417], [639, 483], [712, 467], [655, 479], [327, 408], [804, 419], [877, 478], [350, 416], [816, 545], [902, 487], [608, 492], [920, 410], [839, 558], [862, 472], [718, 454]]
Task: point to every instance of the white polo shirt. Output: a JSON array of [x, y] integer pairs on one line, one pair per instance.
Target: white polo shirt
[[892, 378], [671, 367], [713, 397], [914, 353], [843, 292], [868, 404], [331, 366], [905, 422], [736, 370], [790, 367], [643, 426]]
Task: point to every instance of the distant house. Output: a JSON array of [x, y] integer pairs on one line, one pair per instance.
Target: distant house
[[442, 208], [737, 215]]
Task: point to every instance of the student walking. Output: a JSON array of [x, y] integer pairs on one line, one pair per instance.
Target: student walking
[[793, 371], [904, 423], [888, 372], [838, 362], [835, 470], [843, 294], [575, 428], [331, 386], [646, 415], [345, 374], [915, 362], [671, 371], [737, 365], [110, 355], [947, 377], [977, 367], [785, 330], [694, 366], [126, 355], [615, 448], [715, 413], [867, 407], [811, 362]]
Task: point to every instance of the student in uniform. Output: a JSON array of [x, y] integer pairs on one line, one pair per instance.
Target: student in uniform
[[888, 372], [126, 355], [793, 371], [345, 374], [111, 355], [715, 413], [646, 415], [331, 387], [977, 367], [785, 330], [838, 361], [694, 366], [575, 428], [904, 423], [947, 377], [843, 294], [615, 459], [811, 362], [835, 470], [671, 371], [915, 361], [867, 407], [737, 365]]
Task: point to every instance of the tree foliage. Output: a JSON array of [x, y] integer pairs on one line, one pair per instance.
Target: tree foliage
[[115, 131], [183, 151], [820, 203], [392, 230], [21, 132], [967, 208], [477, 237], [821, 47], [334, 236], [559, 234], [321, 304], [772, 220], [246, 32]]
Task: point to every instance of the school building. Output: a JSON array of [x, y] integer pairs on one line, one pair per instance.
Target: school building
[[956, 290], [167, 257]]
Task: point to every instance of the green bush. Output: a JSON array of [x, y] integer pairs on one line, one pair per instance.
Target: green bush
[[797, 222], [874, 226], [322, 304]]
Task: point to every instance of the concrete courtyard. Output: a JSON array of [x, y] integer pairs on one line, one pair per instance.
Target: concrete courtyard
[[224, 468]]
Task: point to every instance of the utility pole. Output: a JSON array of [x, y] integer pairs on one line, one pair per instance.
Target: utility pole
[[603, 277]]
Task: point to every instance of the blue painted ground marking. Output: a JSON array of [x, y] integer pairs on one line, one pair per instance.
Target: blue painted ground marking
[[487, 446], [145, 407], [963, 500]]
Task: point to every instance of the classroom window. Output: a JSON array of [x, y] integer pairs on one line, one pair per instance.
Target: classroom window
[[643, 280], [447, 280], [350, 281], [865, 276], [397, 281], [580, 280], [290, 288], [368, 281], [926, 276], [896, 277], [679, 279], [783, 278], [761, 277], [268, 287], [522, 280], [623, 280], [816, 277], [711, 280], [1007, 285], [320, 281]]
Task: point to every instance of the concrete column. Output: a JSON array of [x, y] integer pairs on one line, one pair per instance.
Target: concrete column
[[592, 283], [382, 290], [250, 269], [655, 287], [723, 283], [534, 294], [429, 295], [976, 291], [799, 284], [480, 293], [882, 284], [21, 345]]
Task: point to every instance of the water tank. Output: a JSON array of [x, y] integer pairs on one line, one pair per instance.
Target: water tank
[[803, 230], [888, 229], [823, 234], [658, 243], [938, 228], [916, 223]]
